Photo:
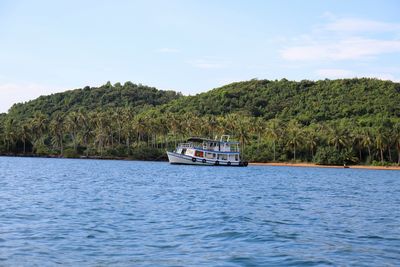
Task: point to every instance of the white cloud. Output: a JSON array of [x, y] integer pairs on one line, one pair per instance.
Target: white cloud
[[167, 50], [361, 25], [328, 15], [11, 93], [334, 73], [346, 49], [344, 39], [208, 64]]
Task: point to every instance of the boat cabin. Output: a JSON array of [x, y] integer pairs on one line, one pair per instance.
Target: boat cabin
[[221, 150]]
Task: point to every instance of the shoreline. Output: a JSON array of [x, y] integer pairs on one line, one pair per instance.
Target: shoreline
[[313, 165], [276, 164]]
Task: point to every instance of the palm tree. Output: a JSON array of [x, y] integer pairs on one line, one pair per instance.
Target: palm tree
[[189, 123], [127, 126], [258, 127], [100, 132], [273, 131], [118, 120], [311, 138], [72, 125], [380, 140], [39, 126], [85, 130], [158, 128], [295, 136], [390, 140], [173, 125], [109, 128], [212, 124], [357, 138], [230, 123], [337, 136], [56, 128], [396, 138], [10, 134], [242, 129], [367, 140], [21, 133], [138, 124]]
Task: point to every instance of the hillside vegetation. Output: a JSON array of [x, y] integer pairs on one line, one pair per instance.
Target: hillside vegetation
[[329, 121], [306, 101], [137, 97]]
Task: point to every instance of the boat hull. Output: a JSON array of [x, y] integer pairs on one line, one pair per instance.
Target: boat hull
[[176, 158]]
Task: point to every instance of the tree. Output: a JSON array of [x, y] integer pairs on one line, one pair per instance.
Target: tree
[[396, 138], [73, 124], [380, 140], [273, 131], [99, 121], [243, 131], [295, 136], [39, 127], [338, 136], [85, 130], [258, 128], [56, 128], [10, 135], [126, 130], [267, 117], [23, 134], [311, 138], [367, 140]]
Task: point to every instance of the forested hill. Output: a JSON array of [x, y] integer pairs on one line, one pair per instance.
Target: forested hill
[[137, 97], [306, 101], [327, 122]]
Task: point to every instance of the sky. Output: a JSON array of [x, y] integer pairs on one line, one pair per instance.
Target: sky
[[191, 46]]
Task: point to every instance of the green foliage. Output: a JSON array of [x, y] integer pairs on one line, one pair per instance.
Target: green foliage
[[42, 150], [306, 101], [331, 122], [70, 153], [139, 97], [148, 153], [380, 163], [329, 156]]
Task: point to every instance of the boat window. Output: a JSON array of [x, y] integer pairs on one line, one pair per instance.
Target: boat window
[[210, 155], [224, 157], [199, 153], [183, 151], [236, 157]]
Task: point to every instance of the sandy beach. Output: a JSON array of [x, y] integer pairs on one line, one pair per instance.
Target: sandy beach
[[396, 168]]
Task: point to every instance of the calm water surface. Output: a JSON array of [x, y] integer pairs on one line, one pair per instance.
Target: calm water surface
[[127, 213]]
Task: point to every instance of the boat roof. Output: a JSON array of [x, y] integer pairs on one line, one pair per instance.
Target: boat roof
[[201, 139]]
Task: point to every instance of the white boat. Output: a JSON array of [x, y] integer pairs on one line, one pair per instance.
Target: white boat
[[202, 151]]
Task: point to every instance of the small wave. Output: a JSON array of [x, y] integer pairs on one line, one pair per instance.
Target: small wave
[[228, 235], [164, 246], [378, 237]]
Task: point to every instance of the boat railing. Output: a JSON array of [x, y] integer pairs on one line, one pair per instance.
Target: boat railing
[[224, 138], [186, 145], [234, 149]]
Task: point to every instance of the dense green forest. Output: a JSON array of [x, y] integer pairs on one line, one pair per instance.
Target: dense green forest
[[137, 97], [353, 121]]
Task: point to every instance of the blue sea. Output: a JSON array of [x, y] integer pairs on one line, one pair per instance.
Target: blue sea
[[74, 212]]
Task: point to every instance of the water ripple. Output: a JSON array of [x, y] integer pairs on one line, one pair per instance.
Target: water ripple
[[100, 213]]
